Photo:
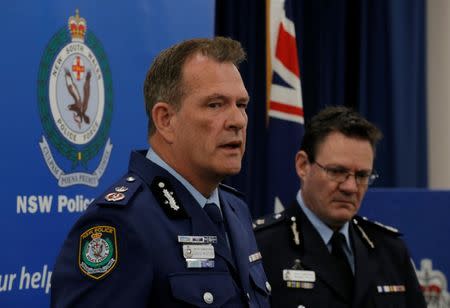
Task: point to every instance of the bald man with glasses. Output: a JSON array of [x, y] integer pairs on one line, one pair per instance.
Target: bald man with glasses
[[318, 252]]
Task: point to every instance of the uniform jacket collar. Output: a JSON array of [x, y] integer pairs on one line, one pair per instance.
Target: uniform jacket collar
[[315, 257], [200, 223]]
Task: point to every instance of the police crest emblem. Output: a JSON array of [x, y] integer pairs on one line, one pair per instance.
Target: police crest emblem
[[98, 251], [434, 285], [75, 105]]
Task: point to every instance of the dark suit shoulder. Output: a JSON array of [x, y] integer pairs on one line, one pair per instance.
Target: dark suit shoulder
[[120, 193], [375, 226], [232, 190], [268, 221]]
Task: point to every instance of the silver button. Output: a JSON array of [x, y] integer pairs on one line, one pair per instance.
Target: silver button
[[248, 296], [268, 286], [301, 306], [208, 298], [131, 179]]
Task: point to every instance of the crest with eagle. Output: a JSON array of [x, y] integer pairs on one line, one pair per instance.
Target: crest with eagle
[[79, 105]]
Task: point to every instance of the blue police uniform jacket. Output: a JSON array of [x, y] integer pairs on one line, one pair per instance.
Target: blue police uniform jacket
[[125, 250], [384, 275]]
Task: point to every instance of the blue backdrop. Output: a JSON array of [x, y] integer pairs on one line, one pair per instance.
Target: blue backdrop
[[421, 215], [37, 212]]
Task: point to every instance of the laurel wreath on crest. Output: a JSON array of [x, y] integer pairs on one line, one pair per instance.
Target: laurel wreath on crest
[[63, 146]]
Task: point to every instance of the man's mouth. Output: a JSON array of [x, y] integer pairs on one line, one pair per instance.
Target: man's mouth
[[343, 201], [232, 145]]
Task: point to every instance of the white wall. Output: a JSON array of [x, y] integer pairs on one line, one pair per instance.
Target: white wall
[[438, 93]]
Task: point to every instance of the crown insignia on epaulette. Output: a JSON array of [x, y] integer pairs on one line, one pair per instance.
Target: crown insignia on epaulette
[[77, 27], [114, 196]]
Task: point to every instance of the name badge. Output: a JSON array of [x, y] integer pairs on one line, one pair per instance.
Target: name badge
[[188, 239], [299, 275], [198, 251], [255, 257], [197, 263]]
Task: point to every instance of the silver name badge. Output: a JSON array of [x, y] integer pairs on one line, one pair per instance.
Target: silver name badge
[[198, 251], [197, 263], [255, 257], [188, 239], [299, 275]]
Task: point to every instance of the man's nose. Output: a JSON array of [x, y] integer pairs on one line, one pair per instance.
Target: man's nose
[[237, 118], [350, 184]]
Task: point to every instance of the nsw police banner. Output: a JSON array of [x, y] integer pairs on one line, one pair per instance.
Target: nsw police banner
[[71, 94]]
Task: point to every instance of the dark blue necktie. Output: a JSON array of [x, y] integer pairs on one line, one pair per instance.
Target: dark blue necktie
[[214, 214], [343, 266]]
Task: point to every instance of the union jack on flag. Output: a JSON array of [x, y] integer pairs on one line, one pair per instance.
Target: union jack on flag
[[285, 106]]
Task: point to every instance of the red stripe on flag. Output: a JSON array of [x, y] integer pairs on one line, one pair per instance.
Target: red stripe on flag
[[276, 106], [287, 51]]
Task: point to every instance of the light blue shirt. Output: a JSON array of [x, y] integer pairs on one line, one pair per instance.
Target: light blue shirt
[[202, 201], [326, 232]]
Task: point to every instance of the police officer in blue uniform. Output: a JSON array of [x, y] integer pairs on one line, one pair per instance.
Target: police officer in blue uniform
[[318, 252], [168, 234]]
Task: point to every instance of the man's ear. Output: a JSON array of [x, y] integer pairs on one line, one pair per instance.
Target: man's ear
[[302, 164], [162, 114]]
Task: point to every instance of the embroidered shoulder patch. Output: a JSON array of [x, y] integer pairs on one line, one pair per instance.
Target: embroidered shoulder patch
[[98, 251]]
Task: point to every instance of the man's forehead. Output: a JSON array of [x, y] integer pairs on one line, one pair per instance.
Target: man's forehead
[[339, 146]]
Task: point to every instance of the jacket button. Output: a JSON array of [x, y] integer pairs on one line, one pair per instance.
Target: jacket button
[[208, 298], [248, 296], [268, 287], [131, 179]]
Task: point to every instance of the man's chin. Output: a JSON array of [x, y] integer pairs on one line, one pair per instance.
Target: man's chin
[[339, 219], [231, 170]]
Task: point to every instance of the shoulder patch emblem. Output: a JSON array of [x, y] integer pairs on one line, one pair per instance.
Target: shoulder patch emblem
[[165, 195], [98, 251]]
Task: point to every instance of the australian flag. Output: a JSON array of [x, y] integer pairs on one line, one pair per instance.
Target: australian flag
[[285, 106]]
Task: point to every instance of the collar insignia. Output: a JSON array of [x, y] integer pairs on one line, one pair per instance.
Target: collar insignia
[[165, 195]]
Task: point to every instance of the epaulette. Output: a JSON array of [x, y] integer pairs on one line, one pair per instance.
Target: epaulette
[[232, 190], [363, 221], [121, 192], [268, 220]]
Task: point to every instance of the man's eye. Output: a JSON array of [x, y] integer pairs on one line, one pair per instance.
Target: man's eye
[[337, 172], [242, 105], [214, 105], [362, 175]]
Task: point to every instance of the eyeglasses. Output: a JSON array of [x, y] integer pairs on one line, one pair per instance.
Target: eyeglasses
[[340, 175]]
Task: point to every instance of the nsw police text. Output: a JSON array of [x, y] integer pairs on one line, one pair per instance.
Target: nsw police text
[[42, 204]]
